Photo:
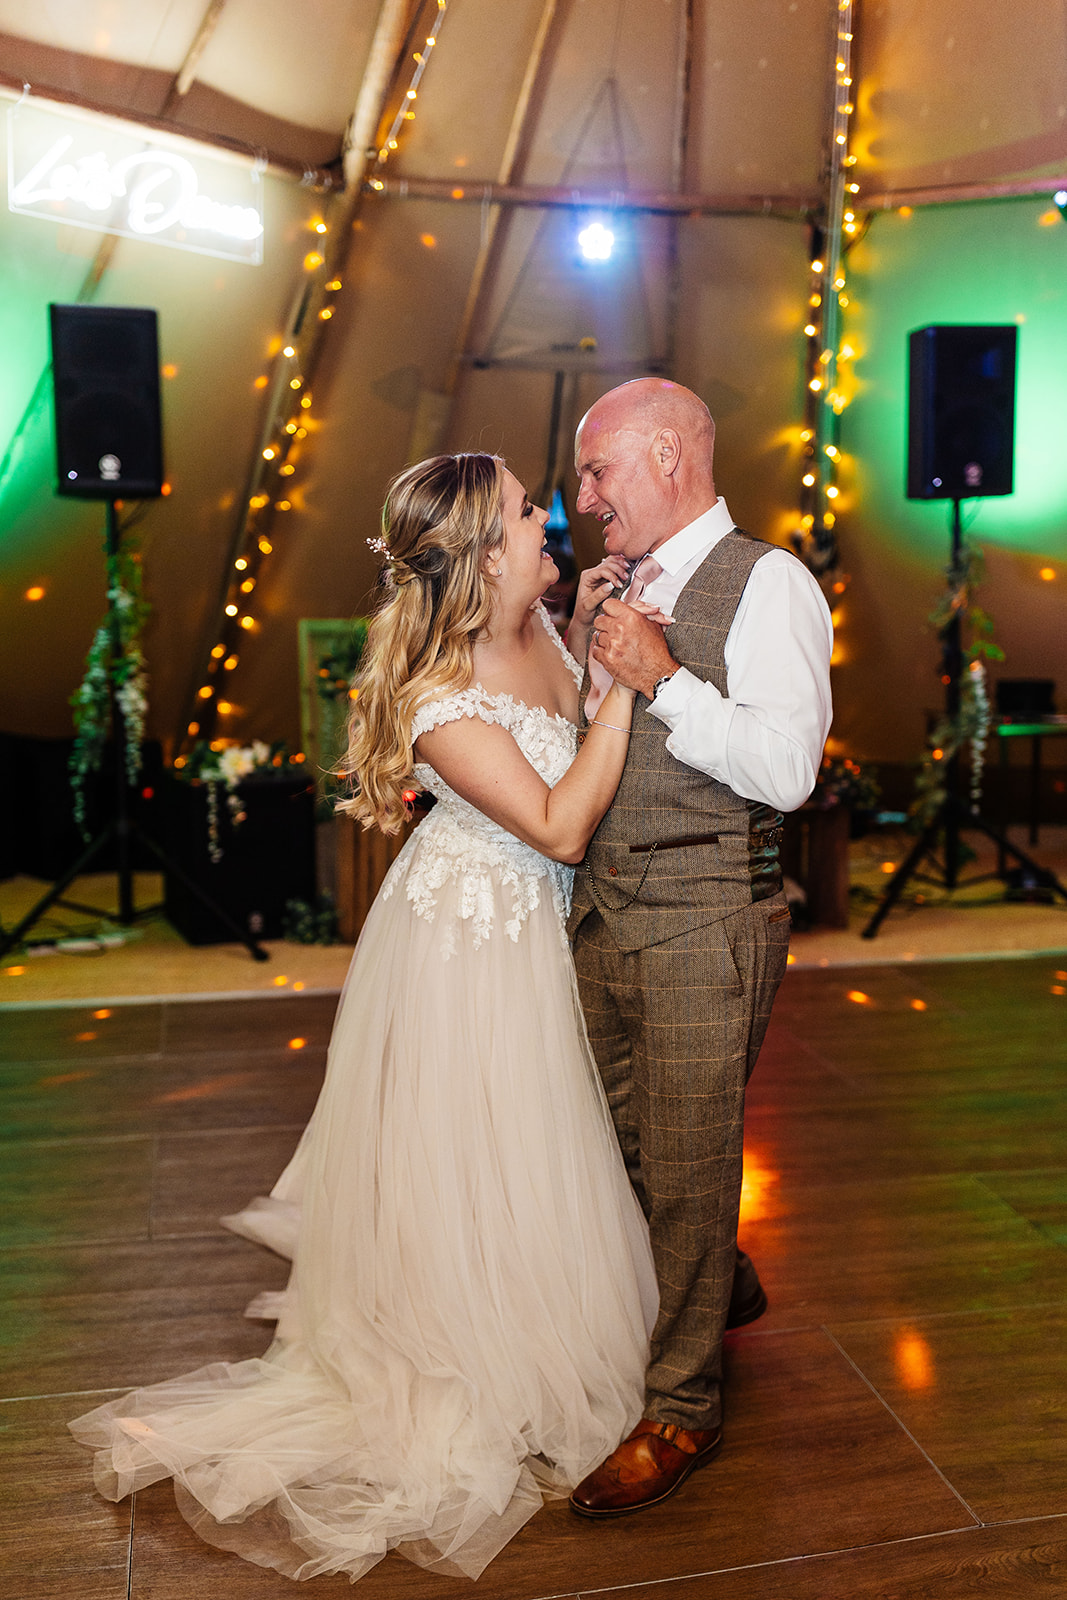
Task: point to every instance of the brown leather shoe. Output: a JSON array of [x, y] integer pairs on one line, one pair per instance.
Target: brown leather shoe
[[648, 1466]]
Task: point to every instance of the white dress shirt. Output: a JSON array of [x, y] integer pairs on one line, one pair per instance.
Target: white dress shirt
[[765, 736]]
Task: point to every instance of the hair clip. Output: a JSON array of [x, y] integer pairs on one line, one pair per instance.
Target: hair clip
[[380, 548]]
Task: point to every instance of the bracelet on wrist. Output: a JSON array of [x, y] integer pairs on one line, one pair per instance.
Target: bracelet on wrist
[[614, 727]]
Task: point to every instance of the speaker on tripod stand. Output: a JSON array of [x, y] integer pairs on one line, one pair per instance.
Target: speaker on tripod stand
[[109, 446], [961, 446]]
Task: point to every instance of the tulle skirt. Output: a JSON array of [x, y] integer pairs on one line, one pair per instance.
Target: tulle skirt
[[466, 1324]]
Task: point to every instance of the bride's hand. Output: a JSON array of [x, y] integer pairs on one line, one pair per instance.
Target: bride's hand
[[594, 586]]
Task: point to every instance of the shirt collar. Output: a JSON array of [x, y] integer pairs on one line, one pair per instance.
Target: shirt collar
[[696, 539]]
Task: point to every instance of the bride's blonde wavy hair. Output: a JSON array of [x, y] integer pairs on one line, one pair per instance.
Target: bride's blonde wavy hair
[[440, 521]]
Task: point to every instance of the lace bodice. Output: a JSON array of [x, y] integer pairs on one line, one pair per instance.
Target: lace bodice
[[459, 844]]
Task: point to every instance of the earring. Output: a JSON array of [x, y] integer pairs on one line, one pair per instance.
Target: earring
[[496, 572]]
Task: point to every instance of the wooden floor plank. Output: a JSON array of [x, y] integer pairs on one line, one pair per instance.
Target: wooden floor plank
[[1016, 1562], [57, 1537], [984, 1396]]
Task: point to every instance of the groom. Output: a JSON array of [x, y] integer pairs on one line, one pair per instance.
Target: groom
[[680, 926]]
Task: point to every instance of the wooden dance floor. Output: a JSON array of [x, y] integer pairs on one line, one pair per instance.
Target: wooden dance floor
[[896, 1424]]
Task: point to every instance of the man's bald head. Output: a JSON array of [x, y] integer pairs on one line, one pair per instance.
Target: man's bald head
[[643, 454], [647, 404]]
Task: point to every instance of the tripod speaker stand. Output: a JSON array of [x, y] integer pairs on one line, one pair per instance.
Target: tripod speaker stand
[[105, 372], [121, 828], [954, 813]]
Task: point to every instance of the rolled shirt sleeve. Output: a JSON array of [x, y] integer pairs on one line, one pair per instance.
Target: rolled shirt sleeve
[[765, 736]]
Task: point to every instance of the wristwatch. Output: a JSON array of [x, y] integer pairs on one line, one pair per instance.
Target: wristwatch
[[660, 682]]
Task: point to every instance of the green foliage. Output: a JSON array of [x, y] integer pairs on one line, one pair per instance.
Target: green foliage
[[339, 666], [114, 663], [845, 783], [307, 924], [970, 725]]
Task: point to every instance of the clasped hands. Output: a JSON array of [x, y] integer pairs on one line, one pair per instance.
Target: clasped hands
[[625, 637]]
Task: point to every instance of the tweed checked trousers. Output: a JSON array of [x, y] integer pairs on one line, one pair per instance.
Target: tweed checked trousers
[[676, 1029]]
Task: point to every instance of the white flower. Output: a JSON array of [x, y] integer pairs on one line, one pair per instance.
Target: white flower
[[235, 764], [260, 753]]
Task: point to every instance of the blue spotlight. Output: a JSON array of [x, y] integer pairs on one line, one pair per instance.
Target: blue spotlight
[[596, 241]]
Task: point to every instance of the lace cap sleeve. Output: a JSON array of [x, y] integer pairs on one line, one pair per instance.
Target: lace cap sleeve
[[463, 703]]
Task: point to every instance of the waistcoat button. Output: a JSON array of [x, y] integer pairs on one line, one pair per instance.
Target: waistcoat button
[[613, 872]]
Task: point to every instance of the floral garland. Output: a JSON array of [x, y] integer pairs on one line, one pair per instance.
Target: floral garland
[[219, 767], [107, 670], [970, 725]]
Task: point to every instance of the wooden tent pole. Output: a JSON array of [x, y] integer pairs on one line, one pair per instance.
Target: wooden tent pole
[[678, 177], [303, 332], [434, 408]]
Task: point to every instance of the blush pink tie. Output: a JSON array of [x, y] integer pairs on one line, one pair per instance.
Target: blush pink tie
[[646, 571]]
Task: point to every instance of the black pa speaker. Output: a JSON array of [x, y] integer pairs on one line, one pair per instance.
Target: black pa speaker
[[961, 412], [105, 381]]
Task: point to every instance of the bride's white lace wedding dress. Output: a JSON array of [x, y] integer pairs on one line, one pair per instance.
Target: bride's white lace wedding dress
[[466, 1321]]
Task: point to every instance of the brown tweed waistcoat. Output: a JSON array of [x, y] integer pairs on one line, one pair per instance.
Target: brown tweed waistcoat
[[676, 848]]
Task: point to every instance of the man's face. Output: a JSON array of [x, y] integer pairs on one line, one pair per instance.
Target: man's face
[[620, 486]]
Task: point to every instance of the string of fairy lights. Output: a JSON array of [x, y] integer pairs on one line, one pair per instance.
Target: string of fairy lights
[[273, 488], [828, 371]]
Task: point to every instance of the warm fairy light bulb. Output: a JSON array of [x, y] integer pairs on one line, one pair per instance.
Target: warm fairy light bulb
[[815, 385], [193, 728], [286, 471], [853, 188], [832, 492], [283, 505], [229, 663], [265, 547], [808, 479], [36, 593], [306, 401], [205, 691], [231, 610], [296, 383], [807, 521], [847, 352], [807, 436], [412, 94], [817, 266], [815, 300], [811, 330], [248, 622], [219, 650], [269, 453], [320, 227], [290, 427], [241, 563], [290, 350], [839, 283], [312, 260], [335, 283], [376, 183], [248, 585], [841, 138], [326, 313]]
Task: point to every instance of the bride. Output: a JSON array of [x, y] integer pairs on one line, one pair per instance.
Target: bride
[[466, 1322]]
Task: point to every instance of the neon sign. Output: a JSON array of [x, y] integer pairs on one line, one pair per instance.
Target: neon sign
[[89, 172]]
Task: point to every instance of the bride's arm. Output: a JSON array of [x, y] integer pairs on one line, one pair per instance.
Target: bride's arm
[[594, 586], [482, 762]]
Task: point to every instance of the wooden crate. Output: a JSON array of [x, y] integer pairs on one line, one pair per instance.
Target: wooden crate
[[363, 858]]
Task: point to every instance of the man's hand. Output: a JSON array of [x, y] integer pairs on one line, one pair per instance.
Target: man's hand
[[629, 643]]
